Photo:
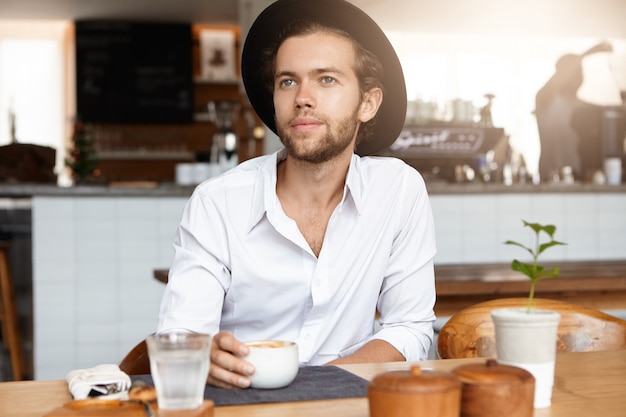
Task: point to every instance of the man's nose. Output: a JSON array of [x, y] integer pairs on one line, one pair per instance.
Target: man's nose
[[304, 98]]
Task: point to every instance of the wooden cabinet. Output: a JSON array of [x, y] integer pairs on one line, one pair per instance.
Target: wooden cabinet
[[150, 152]]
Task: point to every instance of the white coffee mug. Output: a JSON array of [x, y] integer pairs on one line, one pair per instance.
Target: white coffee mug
[[613, 171], [275, 362], [185, 174]]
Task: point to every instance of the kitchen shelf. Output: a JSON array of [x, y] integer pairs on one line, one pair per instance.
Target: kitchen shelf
[[146, 155]]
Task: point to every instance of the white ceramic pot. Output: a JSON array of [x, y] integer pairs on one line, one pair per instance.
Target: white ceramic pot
[[527, 339]]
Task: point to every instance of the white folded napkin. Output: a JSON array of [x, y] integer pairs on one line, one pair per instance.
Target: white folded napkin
[[103, 381]]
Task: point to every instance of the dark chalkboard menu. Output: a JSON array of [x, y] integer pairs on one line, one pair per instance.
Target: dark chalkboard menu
[[134, 72]]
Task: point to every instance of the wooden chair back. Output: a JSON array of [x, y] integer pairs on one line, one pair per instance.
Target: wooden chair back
[[136, 362], [470, 332]]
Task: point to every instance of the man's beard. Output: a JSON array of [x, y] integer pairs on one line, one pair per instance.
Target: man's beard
[[328, 146]]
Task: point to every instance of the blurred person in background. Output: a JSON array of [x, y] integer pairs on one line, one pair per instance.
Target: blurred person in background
[[569, 128]]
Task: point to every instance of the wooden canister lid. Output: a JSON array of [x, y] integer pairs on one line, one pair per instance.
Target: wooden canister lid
[[415, 381], [492, 372]]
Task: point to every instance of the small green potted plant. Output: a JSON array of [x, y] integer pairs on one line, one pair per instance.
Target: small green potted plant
[[82, 157], [526, 337], [533, 270]]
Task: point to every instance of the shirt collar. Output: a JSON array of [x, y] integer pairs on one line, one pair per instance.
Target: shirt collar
[[265, 193], [355, 182]]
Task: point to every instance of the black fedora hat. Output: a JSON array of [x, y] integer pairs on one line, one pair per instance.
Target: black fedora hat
[[265, 32]]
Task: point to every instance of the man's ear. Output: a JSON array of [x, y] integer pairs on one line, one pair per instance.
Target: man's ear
[[372, 100]]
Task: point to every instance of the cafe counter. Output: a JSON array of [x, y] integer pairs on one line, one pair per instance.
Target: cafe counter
[[95, 249], [147, 188]]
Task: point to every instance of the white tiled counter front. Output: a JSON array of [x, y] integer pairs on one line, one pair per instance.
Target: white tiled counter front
[[94, 255], [94, 294], [472, 228]]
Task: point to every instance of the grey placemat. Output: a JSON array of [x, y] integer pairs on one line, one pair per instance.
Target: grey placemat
[[311, 383]]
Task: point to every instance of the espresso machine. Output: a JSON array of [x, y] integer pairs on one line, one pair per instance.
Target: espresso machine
[[438, 151]]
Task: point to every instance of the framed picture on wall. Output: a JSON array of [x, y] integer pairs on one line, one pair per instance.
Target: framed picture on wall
[[217, 55]]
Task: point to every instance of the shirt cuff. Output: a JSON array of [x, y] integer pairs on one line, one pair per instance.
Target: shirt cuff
[[413, 342]]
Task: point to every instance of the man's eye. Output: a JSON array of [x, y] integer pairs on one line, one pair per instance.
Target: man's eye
[[328, 80], [286, 83]]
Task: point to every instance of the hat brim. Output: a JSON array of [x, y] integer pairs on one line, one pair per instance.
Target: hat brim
[[264, 34]]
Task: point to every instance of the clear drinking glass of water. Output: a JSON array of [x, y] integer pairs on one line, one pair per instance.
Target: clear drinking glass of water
[[179, 364]]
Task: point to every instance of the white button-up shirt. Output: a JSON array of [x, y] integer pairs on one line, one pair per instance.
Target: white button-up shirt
[[242, 265]]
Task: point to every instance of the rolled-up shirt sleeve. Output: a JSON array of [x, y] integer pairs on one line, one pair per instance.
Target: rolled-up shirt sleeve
[[407, 298], [411, 334]]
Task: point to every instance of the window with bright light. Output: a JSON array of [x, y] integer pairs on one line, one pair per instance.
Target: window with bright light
[[32, 80]]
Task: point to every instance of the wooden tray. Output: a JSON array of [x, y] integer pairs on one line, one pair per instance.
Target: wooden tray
[[117, 408]]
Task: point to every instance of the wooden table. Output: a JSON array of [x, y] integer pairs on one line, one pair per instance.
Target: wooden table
[[595, 284], [587, 384]]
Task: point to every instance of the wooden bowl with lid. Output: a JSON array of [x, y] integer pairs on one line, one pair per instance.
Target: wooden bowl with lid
[[415, 392], [494, 390]]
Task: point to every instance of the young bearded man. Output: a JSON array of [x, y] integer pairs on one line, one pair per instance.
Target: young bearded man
[[308, 243]]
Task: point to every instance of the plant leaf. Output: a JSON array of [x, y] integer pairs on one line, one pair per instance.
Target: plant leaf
[[547, 245], [524, 268], [535, 226], [549, 229], [551, 273], [510, 242]]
